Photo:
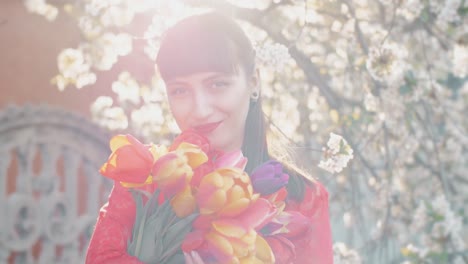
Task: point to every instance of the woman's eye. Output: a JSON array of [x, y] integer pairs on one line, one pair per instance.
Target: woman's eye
[[219, 84], [177, 91]]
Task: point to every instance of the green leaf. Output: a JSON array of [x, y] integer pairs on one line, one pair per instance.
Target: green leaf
[[141, 192], [157, 233], [166, 212], [139, 214], [152, 203], [176, 258], [158, 250], [177, 232]]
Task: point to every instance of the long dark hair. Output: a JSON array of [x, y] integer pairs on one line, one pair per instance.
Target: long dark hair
[[214, 42]]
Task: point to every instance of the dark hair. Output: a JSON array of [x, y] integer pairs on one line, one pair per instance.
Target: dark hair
[[212, 41], [208, 41]]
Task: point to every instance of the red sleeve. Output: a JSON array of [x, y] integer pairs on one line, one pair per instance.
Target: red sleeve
[[314, 245], [113, 229]]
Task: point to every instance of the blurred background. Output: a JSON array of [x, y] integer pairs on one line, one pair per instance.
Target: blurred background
[[370, 96]]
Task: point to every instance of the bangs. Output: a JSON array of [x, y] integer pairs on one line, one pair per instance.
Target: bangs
[[187, 54], [203, 43]]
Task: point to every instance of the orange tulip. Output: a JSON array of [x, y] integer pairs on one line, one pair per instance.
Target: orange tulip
[[172, 173], [194, 154], [219, 247], [183, 203], [174, 170], [130, 161], [262, 254], [226, 191]]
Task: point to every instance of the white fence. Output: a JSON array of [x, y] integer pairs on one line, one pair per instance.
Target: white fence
[[50, 187]]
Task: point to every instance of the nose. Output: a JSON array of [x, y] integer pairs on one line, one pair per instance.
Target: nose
[[202, 107]]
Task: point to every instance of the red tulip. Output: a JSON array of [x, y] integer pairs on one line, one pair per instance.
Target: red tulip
[[192, 137], [129, 162]]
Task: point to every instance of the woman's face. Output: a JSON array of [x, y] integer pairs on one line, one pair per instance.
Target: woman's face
[[213, 103]]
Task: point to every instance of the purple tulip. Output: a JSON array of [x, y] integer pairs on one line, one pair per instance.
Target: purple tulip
[[269, 178]]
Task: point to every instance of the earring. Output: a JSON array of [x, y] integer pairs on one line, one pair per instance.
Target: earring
[[254, 96]]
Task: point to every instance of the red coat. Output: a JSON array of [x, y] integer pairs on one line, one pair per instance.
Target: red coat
[[114, 228]]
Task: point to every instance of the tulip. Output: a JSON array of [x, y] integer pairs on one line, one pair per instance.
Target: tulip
[[192, 137], [195, 155], [284, 250], [172, 173], [183, 203], [130, 161], [290, 224], [226, 192], [269, 178], [258, 214], [201, 171], [263, 253]]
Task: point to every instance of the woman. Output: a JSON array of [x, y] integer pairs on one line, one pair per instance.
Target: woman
[[213, 87]]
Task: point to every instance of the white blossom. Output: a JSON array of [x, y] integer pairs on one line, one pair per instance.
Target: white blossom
[[104, 114], [71, 63], [41, 7], [273, 55], [371, 103], [337, 155], [127, 88], [386, 63], [89, 27], [117, 16], [460, 60], [148, 119], [343, 255], [73, 70], [85, 79], [107, 48]]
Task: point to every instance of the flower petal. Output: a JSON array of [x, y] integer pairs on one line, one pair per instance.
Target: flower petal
[[220, 243], [193, 240], [183, 203], [263, 251], [258, 214], [229, 227], [119, 141], [194, 154], [234, 208]]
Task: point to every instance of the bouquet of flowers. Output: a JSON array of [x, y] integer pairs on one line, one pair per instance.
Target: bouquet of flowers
[[197, 205]]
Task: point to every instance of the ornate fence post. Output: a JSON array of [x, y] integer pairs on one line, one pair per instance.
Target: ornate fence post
[[50, 188]]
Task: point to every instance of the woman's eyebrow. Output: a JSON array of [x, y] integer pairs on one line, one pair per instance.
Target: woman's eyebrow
[[175, 82], [209, 77], [217, 75]]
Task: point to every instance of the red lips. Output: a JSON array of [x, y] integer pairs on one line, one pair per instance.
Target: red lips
[[207, 128]]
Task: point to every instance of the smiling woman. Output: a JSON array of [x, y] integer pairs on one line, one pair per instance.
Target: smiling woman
[[213, 88], [214, 104]]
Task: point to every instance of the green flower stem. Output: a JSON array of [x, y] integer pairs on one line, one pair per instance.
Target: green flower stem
[[166, 227], [140, 233]]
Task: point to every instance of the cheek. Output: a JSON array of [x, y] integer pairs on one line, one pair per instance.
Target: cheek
[[237, 105], [179, 112]]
